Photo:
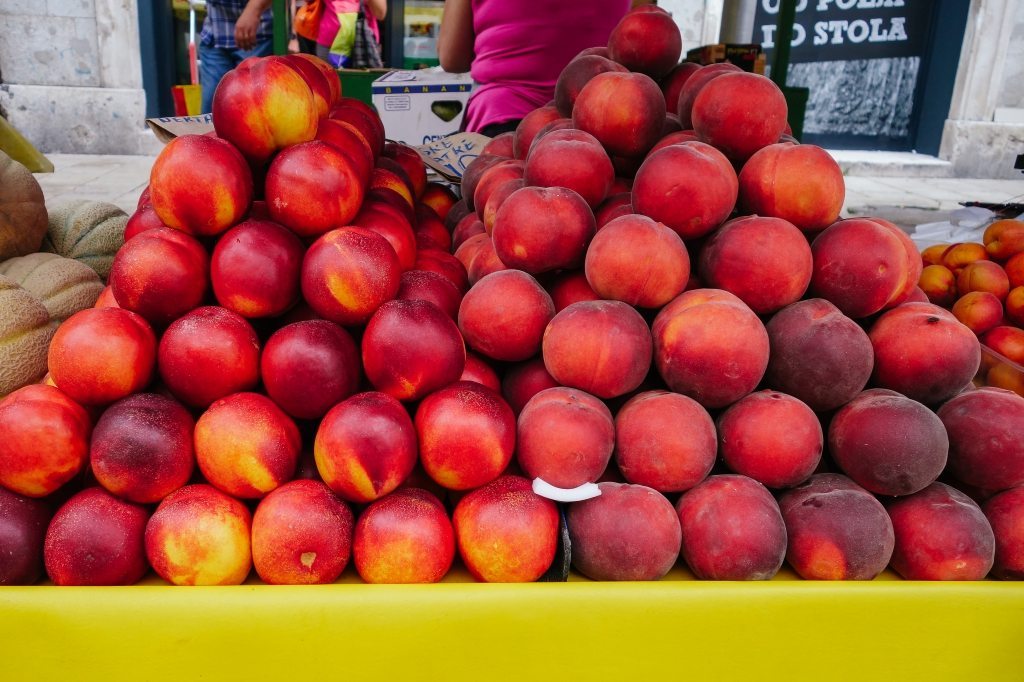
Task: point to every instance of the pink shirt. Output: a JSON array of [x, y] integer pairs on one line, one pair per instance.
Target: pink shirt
[[522, 45], [329, 21]]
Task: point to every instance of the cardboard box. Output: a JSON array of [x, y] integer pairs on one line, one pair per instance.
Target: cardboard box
[[419, 107]]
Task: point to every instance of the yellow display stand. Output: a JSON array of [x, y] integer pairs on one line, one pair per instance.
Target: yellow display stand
[[675, 629]]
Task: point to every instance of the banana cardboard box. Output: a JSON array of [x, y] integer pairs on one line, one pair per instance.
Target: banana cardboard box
[[420, 107]]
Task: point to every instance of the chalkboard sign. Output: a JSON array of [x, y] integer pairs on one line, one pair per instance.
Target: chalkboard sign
[[843, 30]]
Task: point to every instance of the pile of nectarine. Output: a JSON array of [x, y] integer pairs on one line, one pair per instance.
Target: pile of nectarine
[[309, 356]]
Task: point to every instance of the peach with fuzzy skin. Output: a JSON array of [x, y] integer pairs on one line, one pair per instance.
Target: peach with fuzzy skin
[[939, 284], [313, 188], [571, 287], [392, 225], [638, 261], [538, 229], [648, 42], [523, 381], [161, 275], [479, 258], [771, 437], [96, 539], [496, 199], [862, 266], [100, 355], [411, 348], [405, 537], [208, 354], [565, 436], [301, 535], [429, 286], [23, 523], [200, 536], [313, 354], [602, 347], [505, 532], [479, 371], [665, 441], [983, 276], [500, 145], [470, 226], [1005, 512], [246, 445], [941, 534], [347, 274], [624, 111], [200, 185], [732, 529], [888, 443], [365, 447], [690, 187], [675, 137], [1007, 341], [740, 113], [473, 174], [350, 142], [986, 438], [505, 314], [494, 177], [255, 269], [528, 127], [799, 183], [44, 440], [710, 346], [440, 198], [672, 84], [818, 355], [766, 262], [961, 255], [577, 74], [262, 106], [142, 448], [683, 106], [572, 159], [628, 532], [836, 530], [467, 434], [900, 338], [979, 311], [615, 206]]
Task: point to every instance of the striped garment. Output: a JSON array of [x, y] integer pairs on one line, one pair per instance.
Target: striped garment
[[219, 26]]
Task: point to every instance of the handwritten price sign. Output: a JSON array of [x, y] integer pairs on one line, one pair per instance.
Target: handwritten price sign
[[450, 155]]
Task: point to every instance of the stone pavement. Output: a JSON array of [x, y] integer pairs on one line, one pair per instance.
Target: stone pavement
[[907, 200]]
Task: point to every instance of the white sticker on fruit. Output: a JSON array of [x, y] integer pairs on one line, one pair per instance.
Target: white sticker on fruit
[[577, 494]]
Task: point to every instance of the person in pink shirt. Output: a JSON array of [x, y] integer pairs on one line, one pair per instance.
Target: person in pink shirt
[[376, 10], [515, 50]]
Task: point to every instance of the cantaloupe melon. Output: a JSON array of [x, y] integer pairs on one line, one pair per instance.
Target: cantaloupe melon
[[64, 285], [88, 231], [25, 333], [22, 210]]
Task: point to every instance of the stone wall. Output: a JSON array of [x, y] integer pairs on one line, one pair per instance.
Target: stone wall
[[71, 76], [1011, 93]]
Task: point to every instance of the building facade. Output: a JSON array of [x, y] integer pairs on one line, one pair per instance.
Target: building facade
[[71, 72]]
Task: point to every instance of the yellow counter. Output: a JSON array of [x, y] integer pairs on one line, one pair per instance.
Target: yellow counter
[[675, 629]]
